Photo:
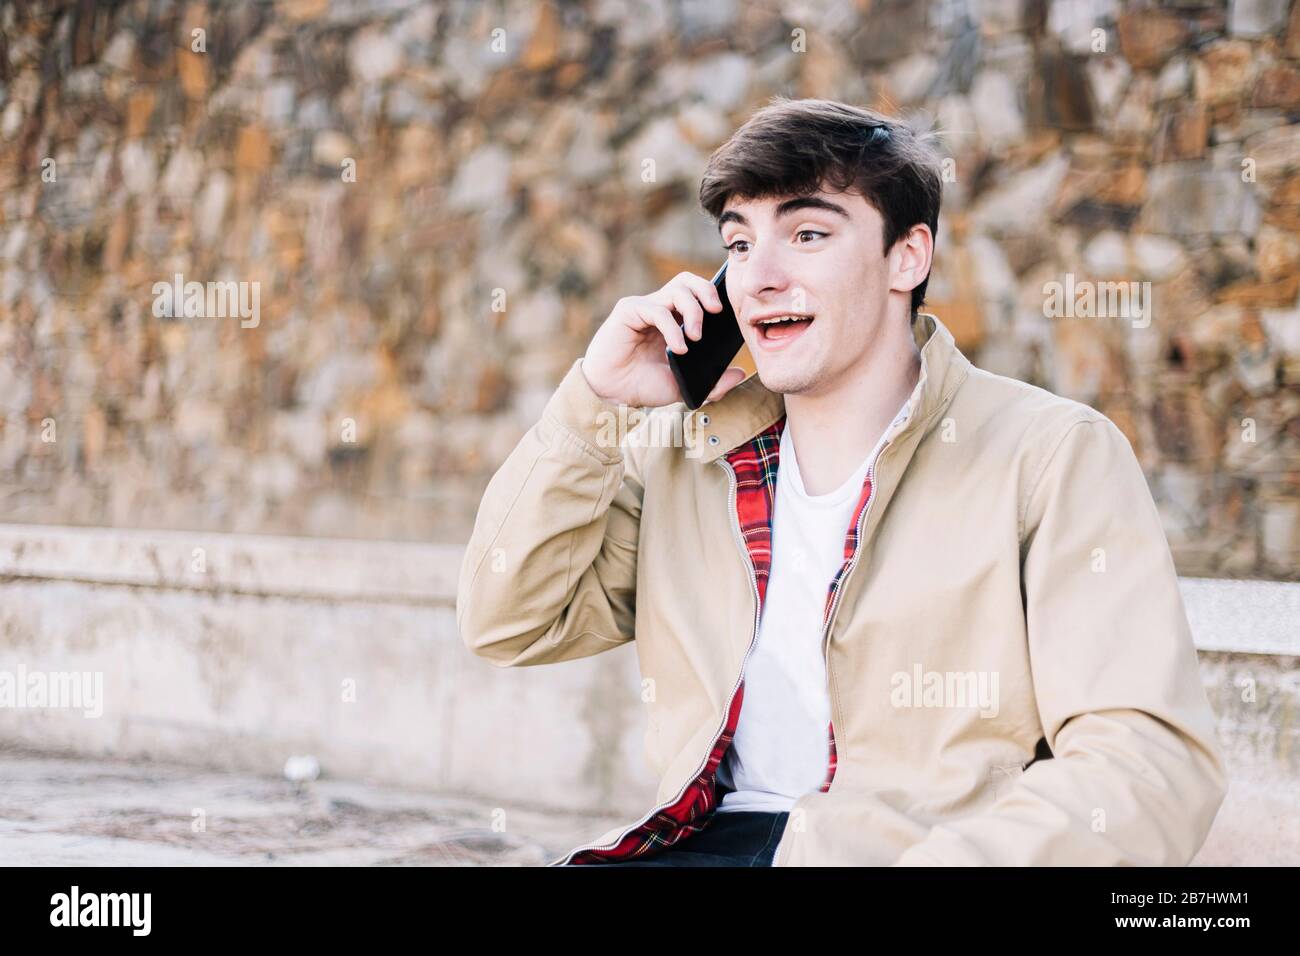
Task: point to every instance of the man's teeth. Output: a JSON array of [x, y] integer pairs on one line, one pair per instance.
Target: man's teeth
[[785, 318]]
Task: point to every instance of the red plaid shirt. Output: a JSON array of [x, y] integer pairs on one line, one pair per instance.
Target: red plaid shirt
[[755, 464]]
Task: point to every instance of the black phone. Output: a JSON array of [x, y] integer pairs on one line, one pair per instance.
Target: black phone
[[720, 341]]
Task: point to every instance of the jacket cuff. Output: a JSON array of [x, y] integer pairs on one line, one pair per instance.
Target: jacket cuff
[[592, 420]]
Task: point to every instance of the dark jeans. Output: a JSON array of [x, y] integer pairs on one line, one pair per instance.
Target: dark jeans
[[731, 838]]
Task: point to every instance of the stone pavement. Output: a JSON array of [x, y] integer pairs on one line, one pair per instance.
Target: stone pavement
[[57, 811]]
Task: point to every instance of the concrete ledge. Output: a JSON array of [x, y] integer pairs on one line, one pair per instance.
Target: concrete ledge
[[1244, 617], [239, 665], [322, 569], [1256, 617], [343, 649]]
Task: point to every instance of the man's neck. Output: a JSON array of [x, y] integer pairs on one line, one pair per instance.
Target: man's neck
[[834, 431]]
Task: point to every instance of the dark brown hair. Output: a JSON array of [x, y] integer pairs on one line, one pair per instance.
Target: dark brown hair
[[796, 147]]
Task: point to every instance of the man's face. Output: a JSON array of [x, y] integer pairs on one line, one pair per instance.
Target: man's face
[[820, 256]]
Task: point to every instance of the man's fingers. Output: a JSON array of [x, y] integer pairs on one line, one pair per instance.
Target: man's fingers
[[699, 292], [704, 290], [688, 307], [666, 323]]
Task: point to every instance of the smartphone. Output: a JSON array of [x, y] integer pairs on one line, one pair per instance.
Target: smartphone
[[720, 341]]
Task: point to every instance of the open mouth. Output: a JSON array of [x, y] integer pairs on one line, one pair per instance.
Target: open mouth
[[777, 333]]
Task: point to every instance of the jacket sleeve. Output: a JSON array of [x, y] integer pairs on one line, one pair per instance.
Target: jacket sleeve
[[549, 573], [1137, 776]]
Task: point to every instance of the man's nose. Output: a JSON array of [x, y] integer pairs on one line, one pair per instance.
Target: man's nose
[[765, 275]]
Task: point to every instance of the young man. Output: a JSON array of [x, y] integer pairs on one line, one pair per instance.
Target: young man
[[945, 630]]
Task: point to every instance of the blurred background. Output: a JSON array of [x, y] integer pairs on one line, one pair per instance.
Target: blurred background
[[249, 523]]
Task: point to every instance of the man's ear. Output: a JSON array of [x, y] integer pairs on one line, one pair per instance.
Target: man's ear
[[914, 253]]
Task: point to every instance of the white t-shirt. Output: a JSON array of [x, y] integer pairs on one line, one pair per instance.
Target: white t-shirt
[[782, 749]]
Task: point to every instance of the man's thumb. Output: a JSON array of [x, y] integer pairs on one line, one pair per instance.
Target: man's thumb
[[732, 377]]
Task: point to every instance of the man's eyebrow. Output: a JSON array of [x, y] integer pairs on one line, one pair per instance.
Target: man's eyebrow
[[787, 207]]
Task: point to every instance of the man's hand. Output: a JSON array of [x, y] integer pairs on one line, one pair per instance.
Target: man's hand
[[625, 362]]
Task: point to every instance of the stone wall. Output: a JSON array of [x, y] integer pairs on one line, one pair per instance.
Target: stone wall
[[438, 203]]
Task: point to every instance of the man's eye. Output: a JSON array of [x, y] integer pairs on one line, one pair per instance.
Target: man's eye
[[809, 232], [732, 247]]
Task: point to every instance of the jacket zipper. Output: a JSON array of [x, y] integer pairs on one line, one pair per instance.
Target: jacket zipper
[[726, 711], [853, 561], [835, 604], [844, 582]]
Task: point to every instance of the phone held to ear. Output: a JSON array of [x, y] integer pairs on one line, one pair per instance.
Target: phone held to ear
[[699, 370]]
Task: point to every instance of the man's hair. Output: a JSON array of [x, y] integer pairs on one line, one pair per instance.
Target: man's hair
[[796, 147]]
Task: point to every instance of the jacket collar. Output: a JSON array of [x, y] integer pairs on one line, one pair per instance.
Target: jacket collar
[[749, 408]]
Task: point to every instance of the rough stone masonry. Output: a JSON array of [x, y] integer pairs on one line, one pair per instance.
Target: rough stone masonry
[[438, 202]]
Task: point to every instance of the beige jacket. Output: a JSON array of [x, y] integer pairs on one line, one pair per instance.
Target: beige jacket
[[1011, 671]]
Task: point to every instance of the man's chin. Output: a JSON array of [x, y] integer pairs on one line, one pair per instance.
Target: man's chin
[[785, 381]]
